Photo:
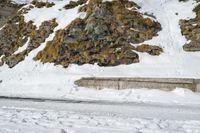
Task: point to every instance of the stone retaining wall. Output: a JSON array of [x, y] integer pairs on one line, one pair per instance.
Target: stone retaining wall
[[136, 83]]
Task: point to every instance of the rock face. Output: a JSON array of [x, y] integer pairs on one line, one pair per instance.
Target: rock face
[[191, 30], [103, 37], [7, 10], [73, 4], [41, 4], [16, 33], [152, 50]]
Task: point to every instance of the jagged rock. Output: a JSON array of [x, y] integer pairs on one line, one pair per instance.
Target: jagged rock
[[7, 10], [13, 60], [73, 4], [16, 33], [103, 37], [40, 4], [1, 62], [192, 46], [131, 55], [152, 50], [191, 30]]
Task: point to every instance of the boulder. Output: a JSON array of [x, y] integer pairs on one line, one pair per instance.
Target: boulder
[[191, 30], [193, 46], [152, 50]]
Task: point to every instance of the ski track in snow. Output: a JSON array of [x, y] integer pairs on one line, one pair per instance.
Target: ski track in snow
[[34, 79]]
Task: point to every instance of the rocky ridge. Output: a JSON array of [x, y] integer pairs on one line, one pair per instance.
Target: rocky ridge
[[16, 33], [191, 30], [105, 36], [7, 10]]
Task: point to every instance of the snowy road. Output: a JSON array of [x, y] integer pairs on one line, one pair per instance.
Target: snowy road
[[75, 116]]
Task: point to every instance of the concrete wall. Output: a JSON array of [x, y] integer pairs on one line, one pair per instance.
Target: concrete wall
[[136, 83]]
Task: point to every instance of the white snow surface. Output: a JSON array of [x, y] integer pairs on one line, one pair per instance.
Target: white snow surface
[[34, 79], [47, 121], [18, 116]]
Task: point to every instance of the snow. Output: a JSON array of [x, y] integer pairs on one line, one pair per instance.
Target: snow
[[34, 79], [63, 17], [44, 121], [2, 27], [32, 116]]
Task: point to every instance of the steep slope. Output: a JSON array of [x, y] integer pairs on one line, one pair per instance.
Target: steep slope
[[32, 78], [7, 10], [103, 36]]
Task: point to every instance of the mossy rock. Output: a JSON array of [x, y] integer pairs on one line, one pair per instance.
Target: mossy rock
[[99, 39], [73, 4], [150, 49], [191, 30], [39, 4]]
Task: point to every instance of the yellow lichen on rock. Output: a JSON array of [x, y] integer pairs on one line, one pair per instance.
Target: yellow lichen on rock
[[102, 37], [15, 34]]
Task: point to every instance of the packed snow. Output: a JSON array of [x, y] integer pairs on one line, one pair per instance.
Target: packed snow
[[44, 117], [46, 121]]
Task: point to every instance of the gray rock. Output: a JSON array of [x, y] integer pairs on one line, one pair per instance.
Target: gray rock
[[90, 27], [101, 29], [7, 10], [131, 55], [192, 46], [11, 61]]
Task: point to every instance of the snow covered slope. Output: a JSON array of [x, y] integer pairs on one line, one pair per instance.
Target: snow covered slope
[[30, 78]]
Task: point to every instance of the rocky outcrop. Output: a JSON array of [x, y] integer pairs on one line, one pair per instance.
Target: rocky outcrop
[[7, 10], [40, 4], [103, 37], [73, 4], [152, 50], [191, 30], [16, 33]]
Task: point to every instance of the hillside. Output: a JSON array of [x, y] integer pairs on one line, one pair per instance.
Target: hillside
[[148, 50], [46, 47]]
